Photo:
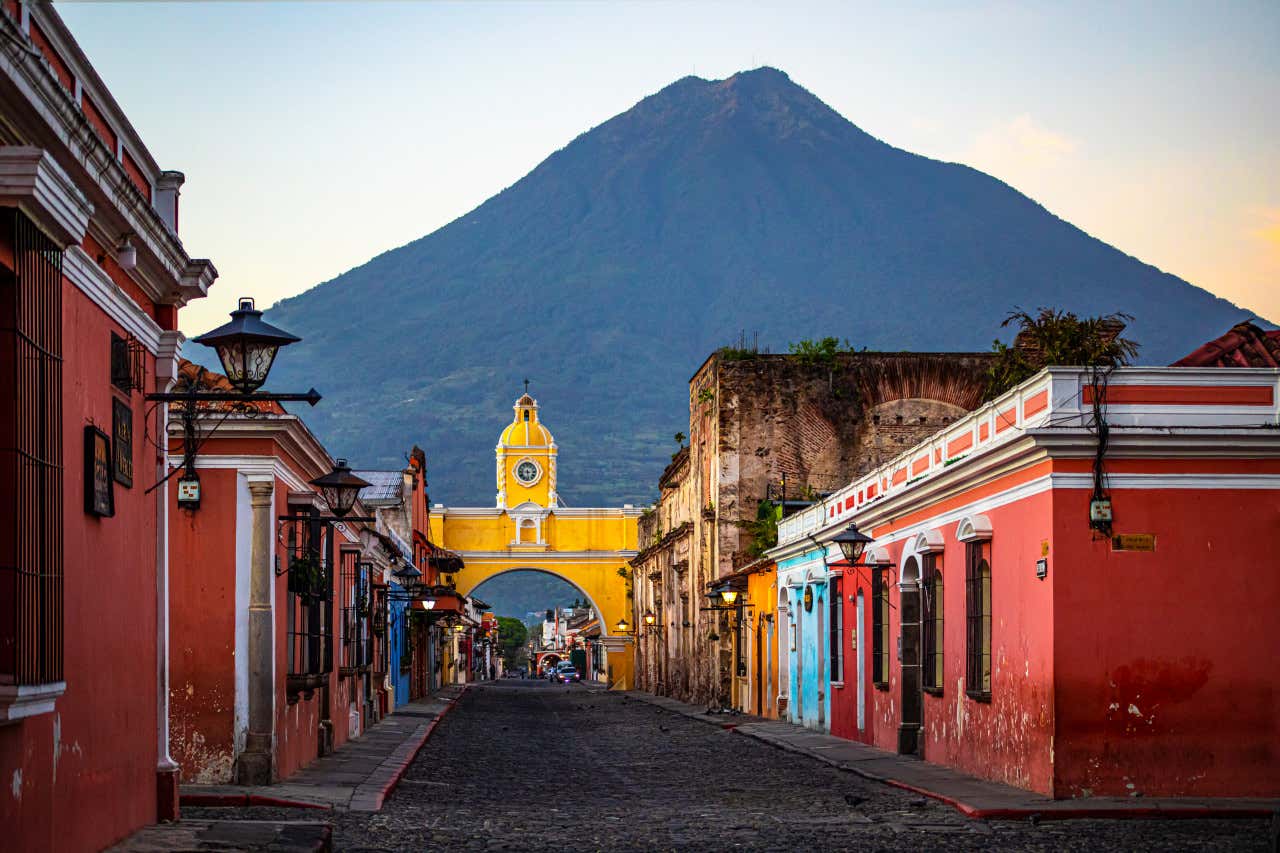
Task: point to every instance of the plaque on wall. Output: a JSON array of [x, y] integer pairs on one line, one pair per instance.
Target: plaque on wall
[[122, 442], [99, 498]]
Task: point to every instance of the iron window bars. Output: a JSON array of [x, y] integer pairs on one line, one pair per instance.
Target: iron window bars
[[353, 585], [128, 363], [932, 623], [879, 628], [31, 454], [978, 620], [310, 600], [835, 628]]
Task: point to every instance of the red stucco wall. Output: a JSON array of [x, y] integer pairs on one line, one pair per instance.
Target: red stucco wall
[[1167, 680], [202, 617], [1010, 738], [85, 775]]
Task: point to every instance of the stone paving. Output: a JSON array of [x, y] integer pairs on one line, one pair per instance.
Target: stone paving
[[540, 767], [973, 796]]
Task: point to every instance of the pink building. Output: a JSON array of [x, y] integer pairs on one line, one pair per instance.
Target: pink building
[[1066, 614]]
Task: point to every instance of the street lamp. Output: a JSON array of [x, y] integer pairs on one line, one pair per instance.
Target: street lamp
[[623, 626], [852, 543], [339, 488], [729, 595], [649, 618], [247, 346]]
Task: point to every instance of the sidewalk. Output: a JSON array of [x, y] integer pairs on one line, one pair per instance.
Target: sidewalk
[[976, 798], [357, 776]]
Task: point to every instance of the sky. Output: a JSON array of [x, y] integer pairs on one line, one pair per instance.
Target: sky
[[316, 135]]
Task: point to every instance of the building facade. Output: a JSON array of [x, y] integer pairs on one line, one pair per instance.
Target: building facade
[[1033, 607], [270, 603], [92, 276], [775, 431]]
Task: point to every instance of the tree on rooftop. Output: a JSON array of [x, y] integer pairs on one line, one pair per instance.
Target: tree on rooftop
[[1054, 337]]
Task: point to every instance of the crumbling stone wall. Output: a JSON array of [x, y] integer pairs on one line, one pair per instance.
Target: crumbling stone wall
[[752, 421]]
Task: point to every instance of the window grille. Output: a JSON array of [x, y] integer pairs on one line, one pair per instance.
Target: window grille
[[978, 613], [836, 628], [310, 597], [128, 363], [879, 628], [931, 617], [353, 586], [31, 469]]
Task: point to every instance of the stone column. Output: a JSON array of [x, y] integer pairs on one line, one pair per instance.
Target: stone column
[[253, 766]]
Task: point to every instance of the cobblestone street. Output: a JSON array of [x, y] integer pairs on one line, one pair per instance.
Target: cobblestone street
[[533, 766]]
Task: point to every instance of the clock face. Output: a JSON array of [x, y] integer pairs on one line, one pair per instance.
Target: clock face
[[527, 472]]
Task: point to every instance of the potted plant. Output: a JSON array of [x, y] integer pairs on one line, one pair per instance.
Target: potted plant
[[306, 575]]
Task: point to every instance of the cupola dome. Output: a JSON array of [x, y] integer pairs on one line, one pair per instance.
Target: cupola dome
[[526, 430]]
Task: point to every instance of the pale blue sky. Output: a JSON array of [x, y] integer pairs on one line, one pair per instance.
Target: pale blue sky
[[316, 135]]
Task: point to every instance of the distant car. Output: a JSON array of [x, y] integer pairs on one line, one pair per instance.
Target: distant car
[[566, 674]]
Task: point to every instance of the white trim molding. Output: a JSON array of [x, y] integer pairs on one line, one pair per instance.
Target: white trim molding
[[18, 702], [974, 528], [32, 181], [928, 542], [93, 281]]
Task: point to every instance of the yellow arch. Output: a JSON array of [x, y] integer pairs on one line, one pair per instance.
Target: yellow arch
[[595, 576]]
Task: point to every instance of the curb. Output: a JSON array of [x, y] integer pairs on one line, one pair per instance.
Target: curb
[[1003, 813], [397, 773], [240, 800]]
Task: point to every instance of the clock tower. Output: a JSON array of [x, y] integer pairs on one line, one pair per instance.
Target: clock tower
[[526, 455]]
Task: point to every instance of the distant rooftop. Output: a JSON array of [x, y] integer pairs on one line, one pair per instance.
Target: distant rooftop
[[384, 487]]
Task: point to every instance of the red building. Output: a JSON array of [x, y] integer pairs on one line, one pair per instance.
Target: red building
[[1076, 610], [92, 274], [271, 611]]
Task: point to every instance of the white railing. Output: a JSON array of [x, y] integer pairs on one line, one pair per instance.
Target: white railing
[[1060, 397]]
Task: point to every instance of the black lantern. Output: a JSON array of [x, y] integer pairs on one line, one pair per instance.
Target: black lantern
[[339, 488], [852, 543], [623, 626], [247, 346], [649, 617]]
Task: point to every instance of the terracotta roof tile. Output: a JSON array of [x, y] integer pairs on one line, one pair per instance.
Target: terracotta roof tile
[[1244, 345]]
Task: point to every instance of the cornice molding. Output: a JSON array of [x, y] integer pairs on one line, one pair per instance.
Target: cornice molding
[[545, 556], [162, 260], [31, 180], [288, 431], [93, 281]]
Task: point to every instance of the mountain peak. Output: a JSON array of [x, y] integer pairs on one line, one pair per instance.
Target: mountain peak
[[616, 265]]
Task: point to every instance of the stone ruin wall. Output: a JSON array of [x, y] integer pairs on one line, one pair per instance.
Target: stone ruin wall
[[825, 425]]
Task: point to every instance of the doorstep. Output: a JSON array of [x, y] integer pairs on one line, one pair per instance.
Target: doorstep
[[357, 776], [974, 797]]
